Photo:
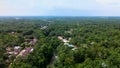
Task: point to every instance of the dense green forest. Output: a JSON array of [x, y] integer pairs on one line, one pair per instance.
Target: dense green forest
[[60, 42]]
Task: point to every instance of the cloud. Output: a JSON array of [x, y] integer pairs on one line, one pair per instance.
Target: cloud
[[109, 3], [58, 7], [45, 6], [16, 4], [17, 7], [65, 4]]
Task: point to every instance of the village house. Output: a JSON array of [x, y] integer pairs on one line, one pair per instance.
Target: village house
[[17, 48], [65, 41], [33, 42], [59, 37], [8, 49], [27, 51]]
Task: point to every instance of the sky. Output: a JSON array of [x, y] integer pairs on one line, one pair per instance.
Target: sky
[[59, 7]]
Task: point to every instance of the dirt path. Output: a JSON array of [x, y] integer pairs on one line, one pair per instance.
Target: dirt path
[[53, 58]]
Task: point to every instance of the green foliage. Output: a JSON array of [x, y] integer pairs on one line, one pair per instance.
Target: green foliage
[[97, 41]]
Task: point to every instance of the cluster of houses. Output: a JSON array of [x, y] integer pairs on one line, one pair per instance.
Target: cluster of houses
[[25, 52], [16, 50], [28, 50], [43, 27], [66, 42], [13, 51]]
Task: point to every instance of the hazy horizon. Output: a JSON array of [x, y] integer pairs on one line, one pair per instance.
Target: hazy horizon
[[59, 8]]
